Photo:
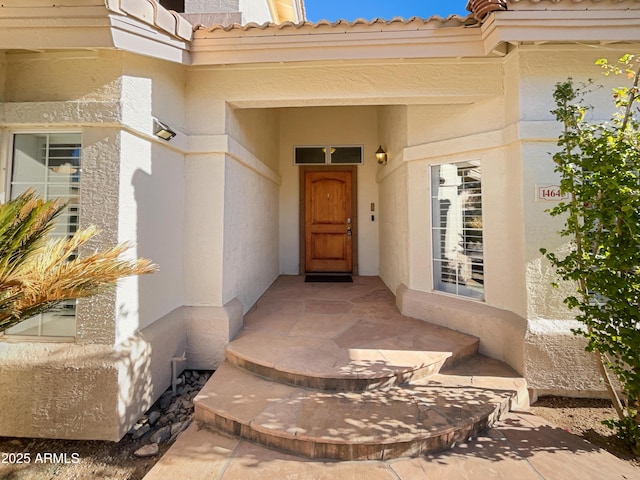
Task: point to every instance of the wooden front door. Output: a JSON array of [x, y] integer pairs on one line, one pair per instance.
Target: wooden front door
[[329, 223]]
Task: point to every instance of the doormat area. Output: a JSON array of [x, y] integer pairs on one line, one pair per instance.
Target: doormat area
[[328, 278]]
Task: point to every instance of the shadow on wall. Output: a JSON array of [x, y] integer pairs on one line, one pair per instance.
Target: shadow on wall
[[135, 382], [144, 359]]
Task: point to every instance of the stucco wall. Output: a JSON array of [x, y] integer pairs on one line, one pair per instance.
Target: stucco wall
[[151, 195], [99, 202], [329, 126], [555, 358], [97, 387], [203, 226], [257, 130], [540, 72], [394, 228], [429, 123], [65, 74], [512, 135], [502, 216], [253, 11], [126, 175], [250, 258], [231, 211], [357, 83], [394, 201], [450, 133], [151, 215], [86, 391], [208, 6], [3, 77]]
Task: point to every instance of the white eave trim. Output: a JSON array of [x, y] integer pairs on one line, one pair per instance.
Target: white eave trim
[[131, 35], [209, 48], [566, 26], [102, 30]]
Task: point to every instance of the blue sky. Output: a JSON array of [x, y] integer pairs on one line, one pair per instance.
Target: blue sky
[[369, 9]]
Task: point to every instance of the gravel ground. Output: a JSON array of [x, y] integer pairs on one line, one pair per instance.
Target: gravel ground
[[80, 460], [38, 459]]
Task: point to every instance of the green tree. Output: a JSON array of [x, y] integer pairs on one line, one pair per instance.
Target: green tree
[[37, 273], [599, 165]]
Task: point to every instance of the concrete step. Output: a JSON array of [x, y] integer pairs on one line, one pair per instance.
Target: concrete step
[[399, 421], [355, 354]]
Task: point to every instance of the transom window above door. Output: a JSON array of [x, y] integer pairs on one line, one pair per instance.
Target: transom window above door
[[327, 155]]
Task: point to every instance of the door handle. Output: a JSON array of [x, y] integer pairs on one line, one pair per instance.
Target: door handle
[[349, 226]]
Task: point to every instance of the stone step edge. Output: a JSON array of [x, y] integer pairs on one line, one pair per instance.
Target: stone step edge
[[402, 375], [344, 451], [235, 421]]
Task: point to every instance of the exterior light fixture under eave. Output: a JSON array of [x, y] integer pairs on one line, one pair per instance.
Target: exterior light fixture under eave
[[162, 131], [381, 156]]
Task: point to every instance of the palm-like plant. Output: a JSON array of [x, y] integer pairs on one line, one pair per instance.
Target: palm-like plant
[[37, 273]]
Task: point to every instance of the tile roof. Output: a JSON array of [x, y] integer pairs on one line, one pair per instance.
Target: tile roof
[[152, 13], [560, 1], [408, 23], [377, 23]]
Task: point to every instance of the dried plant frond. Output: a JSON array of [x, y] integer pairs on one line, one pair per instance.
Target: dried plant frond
[[37, 273]]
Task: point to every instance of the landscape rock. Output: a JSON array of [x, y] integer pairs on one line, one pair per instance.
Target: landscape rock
[[170, 415], [165, 400], [154, 417], [176, 428], [147, 450], [173, 407], [161, 435], [141, 431], [164, 419]]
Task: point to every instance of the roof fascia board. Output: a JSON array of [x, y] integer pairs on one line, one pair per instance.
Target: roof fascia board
[[101, 29], [248, 47], [523, 5], [40, 33], [137, 37], [561, 26], [39, 13]]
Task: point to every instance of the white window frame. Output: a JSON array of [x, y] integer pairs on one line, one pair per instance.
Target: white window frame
[[327, 154], [8, 186], [459, 291]]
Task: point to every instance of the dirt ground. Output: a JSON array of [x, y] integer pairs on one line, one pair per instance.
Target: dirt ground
[[80, 460], [583, 417]]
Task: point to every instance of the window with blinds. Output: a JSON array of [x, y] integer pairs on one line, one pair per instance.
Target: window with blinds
[[49, 163], [456, 207]]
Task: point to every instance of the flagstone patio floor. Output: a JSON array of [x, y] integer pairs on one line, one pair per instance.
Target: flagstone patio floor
[[329, 380]]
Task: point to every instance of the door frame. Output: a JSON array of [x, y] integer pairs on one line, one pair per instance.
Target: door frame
[[354, 211]]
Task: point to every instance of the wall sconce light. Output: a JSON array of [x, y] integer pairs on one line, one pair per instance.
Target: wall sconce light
[[381, 156], [162, 131]]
